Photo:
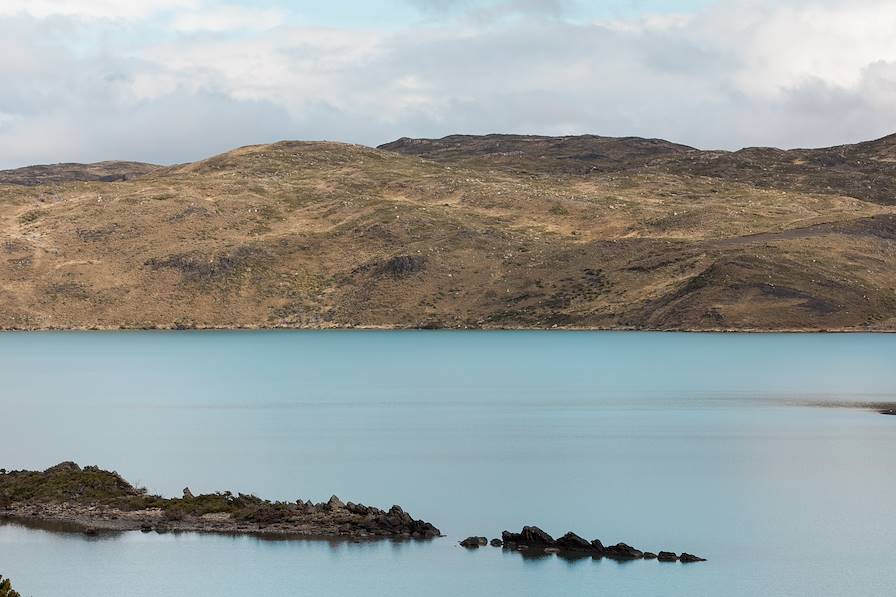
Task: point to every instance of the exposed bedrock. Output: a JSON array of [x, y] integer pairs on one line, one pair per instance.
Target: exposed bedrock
[[533, 540]]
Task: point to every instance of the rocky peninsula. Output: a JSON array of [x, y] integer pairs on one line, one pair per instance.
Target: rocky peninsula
[[93, 500], [532, 541]]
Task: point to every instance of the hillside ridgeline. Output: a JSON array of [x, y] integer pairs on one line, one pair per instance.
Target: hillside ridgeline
[[498, 231]]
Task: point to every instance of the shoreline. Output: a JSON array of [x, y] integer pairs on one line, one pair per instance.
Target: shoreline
[[400, 328], [111, 522]]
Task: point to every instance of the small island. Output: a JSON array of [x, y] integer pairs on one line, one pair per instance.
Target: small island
[[93, 500]]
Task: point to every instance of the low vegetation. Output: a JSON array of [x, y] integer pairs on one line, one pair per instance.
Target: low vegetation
[[67, 483], [6, 589]]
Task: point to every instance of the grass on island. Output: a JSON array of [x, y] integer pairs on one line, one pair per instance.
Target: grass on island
[[67, 483]]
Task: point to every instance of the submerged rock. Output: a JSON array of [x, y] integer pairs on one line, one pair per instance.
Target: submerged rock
[[497, 542], [687, 558], [474, 542]]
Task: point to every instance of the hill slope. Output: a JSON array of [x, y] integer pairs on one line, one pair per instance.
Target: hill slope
[[497, 231]]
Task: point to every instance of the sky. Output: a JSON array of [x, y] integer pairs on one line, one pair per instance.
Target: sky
[[170, 81]]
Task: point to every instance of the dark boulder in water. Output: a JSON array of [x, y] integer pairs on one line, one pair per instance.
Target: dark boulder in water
[[537, 542], [623, 551], [533, 535], [571, 541], [474, 542]]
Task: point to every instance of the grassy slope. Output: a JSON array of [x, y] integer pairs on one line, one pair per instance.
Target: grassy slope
[[330, 235]]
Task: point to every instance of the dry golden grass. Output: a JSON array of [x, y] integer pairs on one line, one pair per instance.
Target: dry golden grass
[[306, 235]]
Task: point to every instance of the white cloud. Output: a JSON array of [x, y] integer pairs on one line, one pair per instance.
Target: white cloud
[[496, 9], [219, 19], [742, 72], [92, 9]]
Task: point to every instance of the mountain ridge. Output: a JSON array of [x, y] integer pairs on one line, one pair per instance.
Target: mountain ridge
[[581, 233]]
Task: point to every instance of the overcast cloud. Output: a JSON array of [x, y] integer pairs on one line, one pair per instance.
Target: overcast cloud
[[87, 80]]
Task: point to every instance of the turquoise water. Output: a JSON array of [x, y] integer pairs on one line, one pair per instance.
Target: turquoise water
[[699, 442]]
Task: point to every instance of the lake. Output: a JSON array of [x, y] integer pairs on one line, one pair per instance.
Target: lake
[[709, 443]]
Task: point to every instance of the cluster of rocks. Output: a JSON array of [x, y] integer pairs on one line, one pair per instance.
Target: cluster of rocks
[[532, 538], [327, 519], [92, 500]]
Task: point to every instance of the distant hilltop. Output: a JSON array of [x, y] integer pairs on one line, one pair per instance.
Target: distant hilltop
[[494, 231]]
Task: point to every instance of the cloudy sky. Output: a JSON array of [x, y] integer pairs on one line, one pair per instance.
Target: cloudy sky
[[176, 80]]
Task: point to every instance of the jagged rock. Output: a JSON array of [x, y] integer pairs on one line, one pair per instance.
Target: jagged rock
[[687, 557], [188, 495], [474, 542], [360, 509], [597, 546], [497, 543], [649, 555], [667, 556], [334, 503], [533, 535], [64, 467], [623, 551], [571, 541]]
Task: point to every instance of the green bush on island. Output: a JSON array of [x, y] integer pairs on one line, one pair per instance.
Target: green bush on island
[[92, 486], [6, 589]]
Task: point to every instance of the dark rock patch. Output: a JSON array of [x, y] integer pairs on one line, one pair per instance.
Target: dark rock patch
[[403, 265], [536, 543]]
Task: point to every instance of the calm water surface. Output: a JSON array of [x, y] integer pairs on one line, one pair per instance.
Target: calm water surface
[[705, 443]]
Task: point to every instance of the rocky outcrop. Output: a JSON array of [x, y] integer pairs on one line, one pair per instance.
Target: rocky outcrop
[[6, 589], [93, 501], [474, 542], [533, 539], [573, 542]]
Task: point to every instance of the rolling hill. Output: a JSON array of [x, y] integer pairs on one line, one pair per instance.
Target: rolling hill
[[497, 231]]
